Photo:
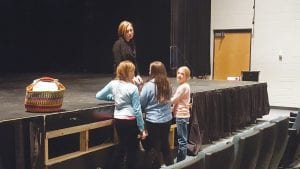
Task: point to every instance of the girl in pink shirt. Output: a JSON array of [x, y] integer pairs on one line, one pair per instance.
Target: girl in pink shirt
[[181, 110]]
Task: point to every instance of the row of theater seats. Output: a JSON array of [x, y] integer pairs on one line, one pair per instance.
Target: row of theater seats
[[261, 147]]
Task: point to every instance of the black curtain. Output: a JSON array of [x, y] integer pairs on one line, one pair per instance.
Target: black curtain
[[190, 35], [77, 35]]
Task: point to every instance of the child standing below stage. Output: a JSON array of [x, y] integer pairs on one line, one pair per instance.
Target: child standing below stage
[[127, 114], [181, 110], [155, 100]]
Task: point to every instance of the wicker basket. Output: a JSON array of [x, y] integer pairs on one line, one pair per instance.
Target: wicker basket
[[44, 101]]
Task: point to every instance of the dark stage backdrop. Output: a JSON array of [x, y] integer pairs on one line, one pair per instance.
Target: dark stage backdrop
[[77, 35], [190, 35]]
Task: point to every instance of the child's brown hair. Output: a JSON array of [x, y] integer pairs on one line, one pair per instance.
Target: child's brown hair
[[163, 88]]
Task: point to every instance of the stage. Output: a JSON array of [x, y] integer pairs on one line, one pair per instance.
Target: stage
[[80, 91], [219, 108]]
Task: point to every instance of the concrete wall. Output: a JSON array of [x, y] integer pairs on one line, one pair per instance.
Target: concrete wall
[[276, 33]]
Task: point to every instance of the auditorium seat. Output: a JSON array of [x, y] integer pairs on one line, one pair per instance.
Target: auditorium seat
[[196, 162], [268, 139], [296, 124], [290, 154], [246, 149], [219, 156], [281, 140]]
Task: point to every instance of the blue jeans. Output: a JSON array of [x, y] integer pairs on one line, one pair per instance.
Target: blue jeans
[[182, 134]]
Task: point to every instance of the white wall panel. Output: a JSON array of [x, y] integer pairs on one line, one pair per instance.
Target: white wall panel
[[276, 31]]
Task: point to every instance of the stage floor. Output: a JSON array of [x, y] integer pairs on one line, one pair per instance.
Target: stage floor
[[80, 91]]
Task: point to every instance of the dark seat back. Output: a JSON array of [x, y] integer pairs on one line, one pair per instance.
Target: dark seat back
[[246, 149], [219, 156], [296, 125], [282, 124], [268, 139], [196, 162]]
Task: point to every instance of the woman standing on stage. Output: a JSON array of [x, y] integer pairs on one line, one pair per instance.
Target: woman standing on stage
[[127, 114], [155, 100], [124, 48]]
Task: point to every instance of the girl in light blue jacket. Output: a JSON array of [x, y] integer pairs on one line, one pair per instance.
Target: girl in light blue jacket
[[155, 100], [127, 114]]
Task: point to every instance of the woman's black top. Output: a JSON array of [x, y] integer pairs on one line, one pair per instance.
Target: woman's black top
[[123, 50]]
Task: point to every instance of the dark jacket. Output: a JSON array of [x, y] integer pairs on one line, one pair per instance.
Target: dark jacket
[[123, 50]]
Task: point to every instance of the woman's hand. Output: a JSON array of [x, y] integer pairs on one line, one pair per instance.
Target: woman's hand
[[137, 80]]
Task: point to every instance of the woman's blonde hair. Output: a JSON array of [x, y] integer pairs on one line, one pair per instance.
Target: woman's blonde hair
[[159, 74], [122, 27], [123, 70], [186, 70]]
